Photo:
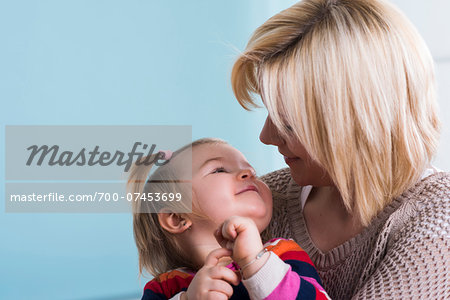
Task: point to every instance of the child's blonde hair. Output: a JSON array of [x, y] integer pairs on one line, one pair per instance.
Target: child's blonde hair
[[158, 249], [355, 81]]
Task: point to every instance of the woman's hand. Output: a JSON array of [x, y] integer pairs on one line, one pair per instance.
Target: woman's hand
[[212, 281], [241, 235]]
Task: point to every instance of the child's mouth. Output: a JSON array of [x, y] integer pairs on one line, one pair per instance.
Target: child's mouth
[[247, 189]]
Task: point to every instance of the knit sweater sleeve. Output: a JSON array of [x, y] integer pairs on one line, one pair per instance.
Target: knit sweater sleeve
[[416, 260]]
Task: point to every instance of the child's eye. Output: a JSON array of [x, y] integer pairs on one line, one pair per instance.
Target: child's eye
[[219, 170]]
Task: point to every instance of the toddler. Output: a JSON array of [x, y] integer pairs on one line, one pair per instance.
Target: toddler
[[216, 251]]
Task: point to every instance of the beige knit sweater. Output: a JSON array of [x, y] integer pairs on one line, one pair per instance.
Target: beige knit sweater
[[403, 254]]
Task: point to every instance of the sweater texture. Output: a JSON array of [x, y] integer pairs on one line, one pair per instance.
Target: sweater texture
[[403, 254]]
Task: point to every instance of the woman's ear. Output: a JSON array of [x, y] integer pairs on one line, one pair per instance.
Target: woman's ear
[[174, 222]]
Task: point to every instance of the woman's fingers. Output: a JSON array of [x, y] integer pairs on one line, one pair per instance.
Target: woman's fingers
[[214, 256]]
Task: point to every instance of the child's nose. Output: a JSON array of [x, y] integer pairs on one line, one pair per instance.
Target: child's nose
[[245, 174]]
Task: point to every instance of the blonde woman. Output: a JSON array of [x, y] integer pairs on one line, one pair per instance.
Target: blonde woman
[[350, 93]]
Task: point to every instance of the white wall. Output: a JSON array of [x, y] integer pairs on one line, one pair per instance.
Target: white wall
[[431, 19]]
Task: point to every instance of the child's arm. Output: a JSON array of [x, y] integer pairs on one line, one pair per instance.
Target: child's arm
[[300, 280], [285, 272], [167, 285], [210, 282]]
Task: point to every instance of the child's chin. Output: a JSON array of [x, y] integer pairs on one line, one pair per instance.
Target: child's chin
[[263, 221]]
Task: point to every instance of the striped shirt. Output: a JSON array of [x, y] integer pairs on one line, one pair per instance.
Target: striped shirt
[[288, 274]]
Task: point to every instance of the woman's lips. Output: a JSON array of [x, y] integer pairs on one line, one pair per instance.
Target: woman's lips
[[289, 160]]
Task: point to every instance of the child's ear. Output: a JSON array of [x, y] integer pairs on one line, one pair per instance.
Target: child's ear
[[174, 222]]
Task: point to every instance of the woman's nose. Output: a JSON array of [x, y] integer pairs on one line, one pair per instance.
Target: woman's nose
[[269, 134], [245, 174]]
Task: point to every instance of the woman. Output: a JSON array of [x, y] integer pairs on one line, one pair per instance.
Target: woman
[[350, 93]]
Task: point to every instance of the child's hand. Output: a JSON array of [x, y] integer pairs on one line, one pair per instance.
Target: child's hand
[[242, 236], [212, 281]]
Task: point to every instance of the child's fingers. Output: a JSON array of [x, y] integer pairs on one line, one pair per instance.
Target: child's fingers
[[229, 229], [213, 257], [229, 245], [214, 295], [223, 273], [224, 242], [219, 237], [222, 287]]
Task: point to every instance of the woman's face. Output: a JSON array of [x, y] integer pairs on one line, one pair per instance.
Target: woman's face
[[304, 170]]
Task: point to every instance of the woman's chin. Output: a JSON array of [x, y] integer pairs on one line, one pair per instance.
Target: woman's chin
[[312, 175]]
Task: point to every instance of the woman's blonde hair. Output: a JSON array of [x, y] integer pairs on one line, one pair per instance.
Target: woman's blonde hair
[[159, 251], [355, 82]]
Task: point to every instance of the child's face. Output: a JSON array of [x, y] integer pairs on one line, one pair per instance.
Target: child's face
[[224, 185]]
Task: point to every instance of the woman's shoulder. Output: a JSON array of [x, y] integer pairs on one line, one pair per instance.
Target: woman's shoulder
[[414, 240], [424, 211], [432, 192], [277, 181]]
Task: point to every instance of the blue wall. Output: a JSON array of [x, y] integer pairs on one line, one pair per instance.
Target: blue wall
[[114, 63]]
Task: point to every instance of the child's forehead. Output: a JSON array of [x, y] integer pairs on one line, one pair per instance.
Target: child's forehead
[[226, 152]]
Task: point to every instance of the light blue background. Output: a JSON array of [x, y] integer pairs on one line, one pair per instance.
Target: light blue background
[[114, 63], [131, 62]]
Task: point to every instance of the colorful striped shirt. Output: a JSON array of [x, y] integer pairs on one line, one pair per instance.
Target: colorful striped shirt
[[288, 274]]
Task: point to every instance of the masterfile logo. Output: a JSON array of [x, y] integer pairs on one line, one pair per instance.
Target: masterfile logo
[[85, 157], [85, 168]]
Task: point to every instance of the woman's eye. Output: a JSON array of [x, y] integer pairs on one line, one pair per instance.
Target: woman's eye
[[219, 170]]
